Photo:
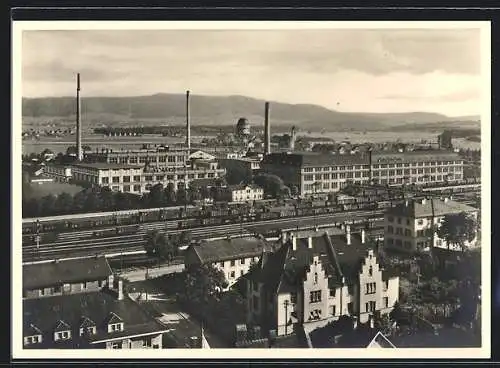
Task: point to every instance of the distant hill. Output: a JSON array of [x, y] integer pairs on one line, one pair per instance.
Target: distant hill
[[221, 110]]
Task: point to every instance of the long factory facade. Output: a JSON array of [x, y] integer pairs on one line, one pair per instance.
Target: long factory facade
[[312, 173]]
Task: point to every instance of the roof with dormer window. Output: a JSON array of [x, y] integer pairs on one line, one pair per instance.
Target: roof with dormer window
[[87, 322], [61, 326], [113, 318]]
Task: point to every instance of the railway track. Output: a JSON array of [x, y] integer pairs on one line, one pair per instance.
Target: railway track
[[73, 246]]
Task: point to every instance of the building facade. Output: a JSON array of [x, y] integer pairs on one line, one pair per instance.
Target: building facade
[[312, 173], [233, 256], [243, 193], [80, 304], [162, 156], [412, 226], [315, 279]]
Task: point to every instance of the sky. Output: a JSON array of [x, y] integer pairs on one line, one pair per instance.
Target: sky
[[362, 70]]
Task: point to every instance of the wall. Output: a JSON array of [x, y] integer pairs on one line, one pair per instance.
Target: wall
[[310, 285], [239, 269], [65, 289], [364, 279]]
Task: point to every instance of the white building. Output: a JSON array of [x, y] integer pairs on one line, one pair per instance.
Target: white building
[[243, 193], [315, 278], [232, 256], [408, 226]]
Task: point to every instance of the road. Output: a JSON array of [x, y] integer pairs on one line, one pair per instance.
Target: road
[[71, 246]]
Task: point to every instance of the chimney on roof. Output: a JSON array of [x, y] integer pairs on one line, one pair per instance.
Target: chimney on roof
[[423, 201], [294, 242], [120, 289], [310, 242], [354, 322], [407, 203], [348, 234], [363, 236], [372, 322]]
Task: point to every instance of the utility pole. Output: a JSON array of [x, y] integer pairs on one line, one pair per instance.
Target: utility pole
[[286, 303]]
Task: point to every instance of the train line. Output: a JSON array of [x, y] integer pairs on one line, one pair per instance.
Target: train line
[[72, 246]]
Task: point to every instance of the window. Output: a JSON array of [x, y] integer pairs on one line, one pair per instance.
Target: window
[[350, 307], [420, 222], [116, 345], [115, 188], [315, 296], [332, 310], [137, 178], [399, 231], [116, 179], [149, 178], [390, 219], [105, 180], [222, 264], [386, 285], [315, 277], [390, 230], [371, 288], [370, 271], [407, 232], [232, 263], [241, 273], [370, 306], [114, 327], [126, 179], [333, 292], [63, 335], [91, 330], [232, 275], [386, 302], [126, 188], [242, 261], [137, 188], [32, 339]]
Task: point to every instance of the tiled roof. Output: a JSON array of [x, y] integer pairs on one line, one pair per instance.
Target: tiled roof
[[86, 322], [417, 209], [226, 249], [381, 341], [243, 186], [45, 313], [41, 275]]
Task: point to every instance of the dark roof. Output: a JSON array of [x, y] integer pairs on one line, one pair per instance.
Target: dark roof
[[381, 341], [41, 275], [205, 182], [310, 159], [293, 225], [106, 166], [45, 314], [282, 270], [419, 208], [226, 249]]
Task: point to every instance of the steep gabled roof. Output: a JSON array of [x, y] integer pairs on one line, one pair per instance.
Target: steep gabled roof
[[61, 326], [381, 341], [113, 318], [86, 322], [227, 249]]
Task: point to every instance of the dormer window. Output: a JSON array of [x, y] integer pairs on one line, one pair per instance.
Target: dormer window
[[87, 327], [115, 323], [30, 340], [62, 331], [115, 327]]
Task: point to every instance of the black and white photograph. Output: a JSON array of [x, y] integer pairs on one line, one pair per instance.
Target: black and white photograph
[[241, 188]]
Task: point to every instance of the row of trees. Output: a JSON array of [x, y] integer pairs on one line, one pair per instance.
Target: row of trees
[[164, 246]]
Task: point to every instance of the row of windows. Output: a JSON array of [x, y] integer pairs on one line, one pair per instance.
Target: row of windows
[[371, 288], [336, 168], [398, 242], [421, 163], [334, 176], [315, 296], [431, 170], [144, 159], [399, 231]]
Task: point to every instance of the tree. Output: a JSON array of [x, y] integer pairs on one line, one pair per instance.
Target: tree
[[158, 245], [185, 238], [170, 194], [203, 283], [457, 230], [48, 205], [156, 196], [64, 203], [272, 184]]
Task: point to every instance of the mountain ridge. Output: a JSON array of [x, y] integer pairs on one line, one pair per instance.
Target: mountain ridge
[[224, 110]]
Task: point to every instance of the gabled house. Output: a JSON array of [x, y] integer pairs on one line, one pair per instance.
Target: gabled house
[[316, 278]]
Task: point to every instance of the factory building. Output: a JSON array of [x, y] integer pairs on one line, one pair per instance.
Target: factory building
[[162, 156], [312, 172]]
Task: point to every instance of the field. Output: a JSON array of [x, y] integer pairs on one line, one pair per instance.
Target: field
[[39, 190]]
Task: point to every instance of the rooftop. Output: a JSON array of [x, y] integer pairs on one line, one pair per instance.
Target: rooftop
[[244, 186], [408, 156], [41, 275], [226, 249], [77, 310], [425, 208], [106, 166], [314, 159]]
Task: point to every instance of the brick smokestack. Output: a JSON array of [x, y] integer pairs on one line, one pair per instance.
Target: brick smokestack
[[79, 151], [267, 131], [188, 122]]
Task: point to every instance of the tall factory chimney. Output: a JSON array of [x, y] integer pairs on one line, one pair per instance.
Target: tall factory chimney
[[188, 123], [267, 131], [292, 139], [79, 151]]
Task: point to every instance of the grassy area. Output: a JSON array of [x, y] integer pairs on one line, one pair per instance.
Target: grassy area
[[40, 190]]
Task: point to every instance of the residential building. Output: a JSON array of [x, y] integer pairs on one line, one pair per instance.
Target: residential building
[[80, 304], [314, 172], [200, 155], [66, 277], [412, 226], [315, 278], [243, 193], [233, 256]]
